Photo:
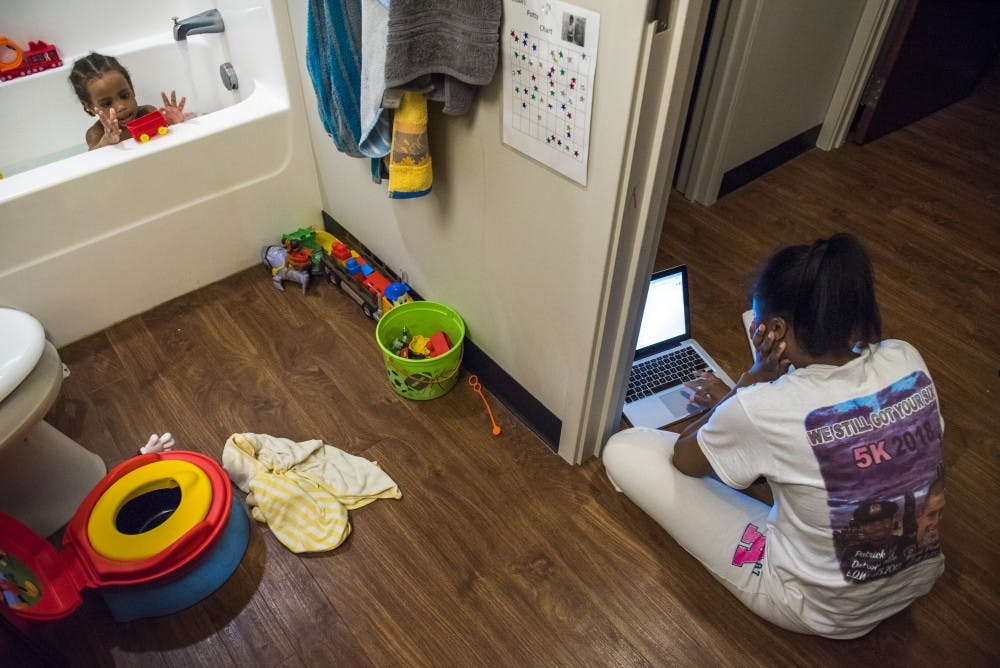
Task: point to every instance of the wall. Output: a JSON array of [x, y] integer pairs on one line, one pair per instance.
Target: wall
[[77, 28], [518, 250]]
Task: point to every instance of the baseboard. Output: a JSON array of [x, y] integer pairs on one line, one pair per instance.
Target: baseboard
[[501, 384], [755, 167], [511, 394]]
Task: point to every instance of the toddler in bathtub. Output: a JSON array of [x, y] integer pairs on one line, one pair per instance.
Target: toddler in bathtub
[[105, 90]]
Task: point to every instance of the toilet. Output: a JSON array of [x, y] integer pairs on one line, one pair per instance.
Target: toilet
[[44, 474], [158, 533]]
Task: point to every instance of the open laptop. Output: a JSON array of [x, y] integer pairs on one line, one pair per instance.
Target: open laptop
[[666, 356]]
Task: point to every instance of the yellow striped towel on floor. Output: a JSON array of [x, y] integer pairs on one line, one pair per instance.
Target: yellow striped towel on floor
[[303, 490]]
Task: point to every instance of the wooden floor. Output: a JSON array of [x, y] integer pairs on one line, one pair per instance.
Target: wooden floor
[[499, 553]]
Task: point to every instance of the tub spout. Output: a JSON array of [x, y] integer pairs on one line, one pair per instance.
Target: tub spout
[[207, 21]]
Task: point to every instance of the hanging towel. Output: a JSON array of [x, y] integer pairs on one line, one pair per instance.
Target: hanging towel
[[376, 122], [333, 59], [410, 172], [442, 48], [456, 95], [303, 490]]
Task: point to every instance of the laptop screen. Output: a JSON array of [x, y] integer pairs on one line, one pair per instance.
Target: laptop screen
[[665, 314]]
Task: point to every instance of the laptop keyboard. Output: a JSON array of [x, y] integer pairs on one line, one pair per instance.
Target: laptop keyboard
[[662, 372]]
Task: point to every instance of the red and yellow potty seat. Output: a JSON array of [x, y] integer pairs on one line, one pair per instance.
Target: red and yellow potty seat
[[139, 566], [117, 558]]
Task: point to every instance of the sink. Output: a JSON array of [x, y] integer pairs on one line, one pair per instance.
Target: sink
[[22, 340]]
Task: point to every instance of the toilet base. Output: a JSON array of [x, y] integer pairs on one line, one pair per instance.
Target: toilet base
[[45, 478]]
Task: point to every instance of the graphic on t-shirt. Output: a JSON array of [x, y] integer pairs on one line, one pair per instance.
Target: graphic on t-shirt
[[880, 458]]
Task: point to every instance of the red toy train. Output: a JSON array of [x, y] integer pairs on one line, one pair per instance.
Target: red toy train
[[148, 126]]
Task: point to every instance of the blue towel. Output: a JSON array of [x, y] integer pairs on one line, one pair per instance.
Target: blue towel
[[333, 58]]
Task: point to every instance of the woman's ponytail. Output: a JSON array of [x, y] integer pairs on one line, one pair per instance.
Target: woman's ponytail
[[827, 292]]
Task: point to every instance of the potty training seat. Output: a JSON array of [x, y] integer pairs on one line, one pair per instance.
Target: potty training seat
[[157, 534], [119, 535]]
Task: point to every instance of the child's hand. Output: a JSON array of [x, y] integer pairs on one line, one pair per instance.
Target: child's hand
[[112, 131], [173, 111]]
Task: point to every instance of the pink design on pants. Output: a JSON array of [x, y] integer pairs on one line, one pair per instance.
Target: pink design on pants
[[751, 547]]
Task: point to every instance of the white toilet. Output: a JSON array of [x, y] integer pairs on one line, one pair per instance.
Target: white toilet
[[44, 474]]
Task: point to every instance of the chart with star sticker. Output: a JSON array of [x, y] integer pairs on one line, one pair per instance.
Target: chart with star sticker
[[549, 56]]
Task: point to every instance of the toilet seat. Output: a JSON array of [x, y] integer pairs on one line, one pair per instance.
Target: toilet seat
[[20, 348], [196, 497]]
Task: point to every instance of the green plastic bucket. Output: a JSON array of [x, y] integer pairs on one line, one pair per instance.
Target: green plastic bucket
[[427, 378]]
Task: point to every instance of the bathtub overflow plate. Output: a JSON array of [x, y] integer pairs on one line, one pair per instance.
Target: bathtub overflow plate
[[228, 74]]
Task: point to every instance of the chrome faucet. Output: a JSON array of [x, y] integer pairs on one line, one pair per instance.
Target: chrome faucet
[[207, 21]]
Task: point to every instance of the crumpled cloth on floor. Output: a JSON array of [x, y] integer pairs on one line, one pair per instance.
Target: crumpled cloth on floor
[[303, 490]]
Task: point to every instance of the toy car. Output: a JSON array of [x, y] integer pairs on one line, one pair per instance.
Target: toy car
[[146, 127]]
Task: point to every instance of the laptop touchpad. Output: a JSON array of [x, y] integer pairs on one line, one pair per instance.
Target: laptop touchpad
[[675, 402]]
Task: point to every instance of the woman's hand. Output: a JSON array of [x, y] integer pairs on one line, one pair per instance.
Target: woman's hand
[[771, 362], [109, 121], [708, 389], [172, 110]]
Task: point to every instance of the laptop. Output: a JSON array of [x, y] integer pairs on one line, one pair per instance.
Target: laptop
[[666, 356]]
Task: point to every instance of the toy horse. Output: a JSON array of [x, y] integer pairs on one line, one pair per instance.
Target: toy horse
[[273, 257]]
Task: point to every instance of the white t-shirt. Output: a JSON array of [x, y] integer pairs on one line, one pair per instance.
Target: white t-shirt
[[852, 454]]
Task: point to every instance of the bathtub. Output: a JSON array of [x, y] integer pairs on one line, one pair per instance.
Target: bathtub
[[90, 238]]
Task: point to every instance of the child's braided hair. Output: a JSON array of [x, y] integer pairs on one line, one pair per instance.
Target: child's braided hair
[[91, 67]]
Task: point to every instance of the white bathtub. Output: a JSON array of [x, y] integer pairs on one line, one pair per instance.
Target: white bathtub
[[90, 238], [54, 122]]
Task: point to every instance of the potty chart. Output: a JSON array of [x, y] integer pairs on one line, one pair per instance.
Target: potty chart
[[549, 56]]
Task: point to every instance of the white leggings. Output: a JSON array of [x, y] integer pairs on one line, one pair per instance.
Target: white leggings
[[716, 524]]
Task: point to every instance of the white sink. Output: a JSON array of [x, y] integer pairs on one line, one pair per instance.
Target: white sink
[[22, 340]]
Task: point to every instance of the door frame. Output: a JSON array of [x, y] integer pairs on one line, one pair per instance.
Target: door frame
[[663, 91], [876, 17], [714, 107]]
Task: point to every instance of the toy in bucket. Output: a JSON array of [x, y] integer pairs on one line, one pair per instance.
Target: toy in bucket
[[428, 327]]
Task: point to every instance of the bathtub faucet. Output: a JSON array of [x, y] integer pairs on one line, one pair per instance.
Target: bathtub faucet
[[207, 21]]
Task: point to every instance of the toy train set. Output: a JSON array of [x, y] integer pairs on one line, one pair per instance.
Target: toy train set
[[305, 253]]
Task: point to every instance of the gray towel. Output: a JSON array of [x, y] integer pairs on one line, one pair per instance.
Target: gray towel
[[441, 48]]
